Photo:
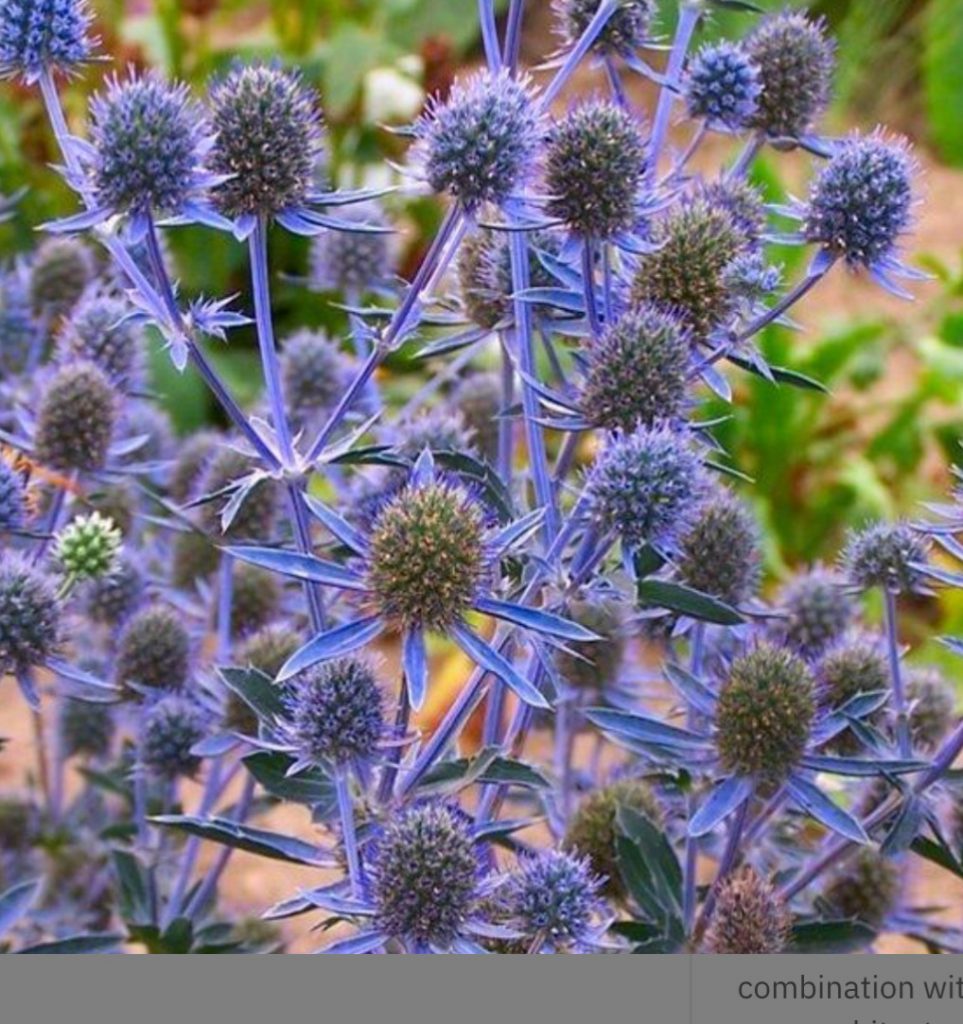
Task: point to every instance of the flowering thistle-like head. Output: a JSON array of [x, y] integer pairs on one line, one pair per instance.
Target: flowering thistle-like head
[[193, 457], [593, 828], [866, 889], [861, 201], [554, 895], [60, 271], [153, 651], [425, 869], [594, 162], [14, 510], [86, 728], [485, 273], [477, 401], [112, 599], [480, 143], [353, 261], [75, 421], [29, 616], [88, 547], [636, 372], [932, 701], [269, 648], [336, 712], [855, 664], [795, 60], [694, 244], [150, 139], [720, 554], [887, 555], [744, 203], [99, 330], [765, 712], [172, 727], [626, 31], [257, 515], [268, 138], [646, 485], [315, 374], [593, 666], [255, 598], [428, 557], [818, 611], [44, 35], [722, 86], [749, 917]]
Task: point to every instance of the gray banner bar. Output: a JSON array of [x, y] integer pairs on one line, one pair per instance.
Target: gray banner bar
[[496, 990]]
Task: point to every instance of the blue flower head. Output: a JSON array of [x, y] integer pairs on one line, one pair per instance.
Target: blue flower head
[[269, 138], [480, 142], [627, 29], [554, 896], [101, 331], [862, 200], [44, 35], [594, 162], [888, 555], [336, 712], [817, 609], [149, 141], [353, 262], [646, 486], [750, 917], [425, 874], [29, 616], [172, 727], [13, 498], [722, 86]]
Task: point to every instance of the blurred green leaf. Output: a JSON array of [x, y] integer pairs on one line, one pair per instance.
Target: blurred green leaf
[[943, 75]]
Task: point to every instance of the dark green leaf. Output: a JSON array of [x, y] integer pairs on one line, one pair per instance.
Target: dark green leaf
[[311, 786], [677, 598], [830, 936], [485, 767], [94, 943], [258, 691], [242, 837], [134, 901], [937, 852]]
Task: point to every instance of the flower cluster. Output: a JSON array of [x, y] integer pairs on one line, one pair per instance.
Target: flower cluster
[[467, 579]]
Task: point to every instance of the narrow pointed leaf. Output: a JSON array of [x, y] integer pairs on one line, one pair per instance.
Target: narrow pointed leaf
[[722, 801], [813, 801], [415, 662], [643, 729], [686, 601], [484, 655], [537, 619], [298, 566], [333, 644]]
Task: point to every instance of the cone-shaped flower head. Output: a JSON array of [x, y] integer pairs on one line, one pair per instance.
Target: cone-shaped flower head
[[594, 162], [818, 611], [887, 555], [425, 870], [866, 889], [480, 143], [722, 86], [60, 271], [766, 709], [29, 616], [88, 547], [554, 895], [86, 728], [172, 727], [75, 421], [626, 31], [153, 651], [749, 917], [44, 35]]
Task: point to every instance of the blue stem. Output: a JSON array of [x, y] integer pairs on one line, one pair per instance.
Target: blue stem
[[257, 246], [225, 601], [588, 287], [688, 19], [302, 535], [544, 492], [592, 31], [506, 425], [903, 734], [513, 34], [350, 837], [691, 843], [489, 31]]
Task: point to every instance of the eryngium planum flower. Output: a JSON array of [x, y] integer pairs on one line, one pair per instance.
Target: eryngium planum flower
[[646, 486], [765, 711], [932, 706], [172, 727], [255, 599], [592, 829], [866, 889], [13, 498], [352, 262], [594, 162], [75, 421], [44, 35], [425, 869], [29, 616], [87, 547], [256, 517], [626, 31], [150, 139], [112, 599], [855, 664], [477, 401], [153, 651], [694, 243], [861, 201], [749, 918], [86, 728], [720, 553], [592, 666], [795, 60], [60, 272], [427, 555], [722, 86], [636, 372], [99, 330], [268, 138], [554, 896], [888, 555], [314, 373], [481, 141], [336, 712], [817, 610]]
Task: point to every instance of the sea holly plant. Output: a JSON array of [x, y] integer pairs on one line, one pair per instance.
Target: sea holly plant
[[505, 637]]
